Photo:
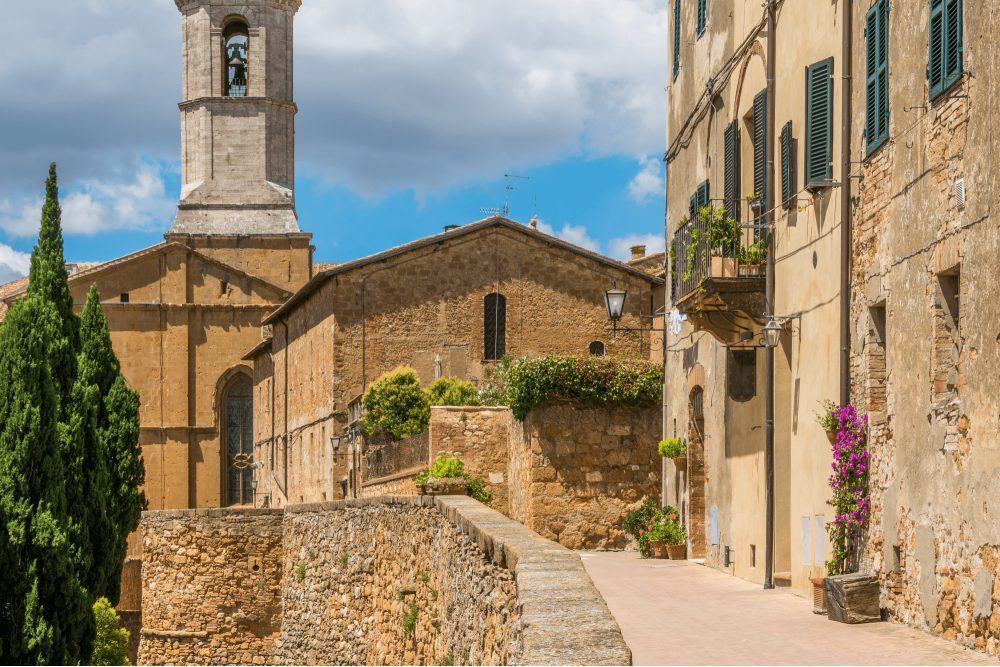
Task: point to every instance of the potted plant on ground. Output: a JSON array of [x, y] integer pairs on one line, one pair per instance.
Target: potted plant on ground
[[637, 524], [675, 449], [445, 478], [669, 535]]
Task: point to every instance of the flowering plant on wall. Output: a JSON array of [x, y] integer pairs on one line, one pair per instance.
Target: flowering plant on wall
[[849, 483]]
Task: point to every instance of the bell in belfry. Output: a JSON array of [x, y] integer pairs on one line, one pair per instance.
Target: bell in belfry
[[238, 67]]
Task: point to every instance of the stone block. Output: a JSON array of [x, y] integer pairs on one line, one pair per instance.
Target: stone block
[[852, 598]]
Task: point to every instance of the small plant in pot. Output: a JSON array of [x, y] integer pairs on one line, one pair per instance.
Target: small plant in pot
[[675, 449], [667, 536], [445, 478], [637, 524], [828, 420]]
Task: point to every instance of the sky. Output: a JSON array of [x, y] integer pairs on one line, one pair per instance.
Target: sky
[[410, 114]]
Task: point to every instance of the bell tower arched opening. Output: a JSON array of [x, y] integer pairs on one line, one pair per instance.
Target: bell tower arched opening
[[235, 58]]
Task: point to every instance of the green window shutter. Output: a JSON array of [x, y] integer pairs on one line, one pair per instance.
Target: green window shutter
[[731, 170], [952, 41], [935, 63], [703, 194], [677, 37], [819, 122], [693, 206], [759, 142], [702, 16], [877, 76], [787, 178]]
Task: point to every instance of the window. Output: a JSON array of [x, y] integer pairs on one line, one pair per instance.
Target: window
[[947, 344], [759, 150], [677, 37], [731, 170], [742, 375], [945, 63], [877, 76], [494, 326], [239, 443], [225, 287], [124, 297], [698, 200], [596, 349], [702, 16], [819, 122], [787, 164], [698, 403], [236, 58]]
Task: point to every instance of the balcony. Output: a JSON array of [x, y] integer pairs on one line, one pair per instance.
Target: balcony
[[719, 268]]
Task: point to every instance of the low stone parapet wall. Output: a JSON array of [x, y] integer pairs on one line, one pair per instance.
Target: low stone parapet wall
[[383, 580], [479, 434], [400, 484]]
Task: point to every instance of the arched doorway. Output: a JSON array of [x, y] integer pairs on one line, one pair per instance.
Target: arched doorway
[[696, 471], [237, 443]]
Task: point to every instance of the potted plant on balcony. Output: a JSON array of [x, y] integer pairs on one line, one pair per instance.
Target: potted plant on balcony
[[675, 449], [723, 240]]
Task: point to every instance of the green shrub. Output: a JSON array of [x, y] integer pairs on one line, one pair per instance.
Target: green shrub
[[588, 379], [111, 644], [452, 391], [637, 522], [301, 570], [449, 469], [397, 405], [476, 488], [673, 448], [665, 528], [494, 391], [410, 620]]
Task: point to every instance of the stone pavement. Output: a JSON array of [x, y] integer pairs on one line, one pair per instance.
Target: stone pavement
[[682, 613]]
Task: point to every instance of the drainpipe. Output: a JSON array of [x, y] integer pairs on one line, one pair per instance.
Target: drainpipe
[[666, 297], [769, 306], [845, 207]]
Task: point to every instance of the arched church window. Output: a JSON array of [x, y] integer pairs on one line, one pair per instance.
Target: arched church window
[[494, 326], [236, 59], [239, 443]]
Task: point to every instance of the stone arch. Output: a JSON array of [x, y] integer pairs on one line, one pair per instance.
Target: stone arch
[[755, 50]]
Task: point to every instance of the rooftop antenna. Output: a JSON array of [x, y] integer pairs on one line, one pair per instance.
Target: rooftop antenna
[[507, 188]]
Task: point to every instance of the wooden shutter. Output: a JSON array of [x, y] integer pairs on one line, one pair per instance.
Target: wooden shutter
[[787, 178], [731, 170], [944, 65], [677, 37], [703, 193], [819, 122], [877, 76], [693, 206], [702, 16], [759, 143]]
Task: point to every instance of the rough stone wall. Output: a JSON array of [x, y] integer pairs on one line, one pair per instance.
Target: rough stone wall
[[333, 583], [381, 456], [589, 466], [212, 586], [926, 380], [426, 303], [481, 436], [400, 484]]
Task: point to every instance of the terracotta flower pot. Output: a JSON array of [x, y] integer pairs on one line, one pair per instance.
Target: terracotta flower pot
[[677, 551], [680, 462], [658, 547], [831, 435], [819, 595]]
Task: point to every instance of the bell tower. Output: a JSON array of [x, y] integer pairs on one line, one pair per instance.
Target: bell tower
[[237, 119]]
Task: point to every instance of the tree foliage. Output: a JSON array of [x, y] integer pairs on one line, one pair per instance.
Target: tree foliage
[[111, 645], [397, 404], [45, 612], [452, 391]]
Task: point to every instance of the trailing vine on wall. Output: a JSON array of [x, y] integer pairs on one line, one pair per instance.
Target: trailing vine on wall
[[849, 483]]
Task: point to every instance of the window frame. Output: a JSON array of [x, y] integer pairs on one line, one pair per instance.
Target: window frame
[[499, 341], [822, 68], [701, 21], [229, 388], [951, 45]]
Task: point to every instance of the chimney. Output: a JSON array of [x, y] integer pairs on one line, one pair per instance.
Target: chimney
[[638, 252], [534, 222]]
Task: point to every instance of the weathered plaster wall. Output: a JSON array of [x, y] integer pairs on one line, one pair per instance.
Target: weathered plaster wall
[[332, 582], [581, 469], [480, 435], [928, 381]]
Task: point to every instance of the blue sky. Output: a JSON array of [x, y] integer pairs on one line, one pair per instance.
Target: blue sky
[[410, 112]]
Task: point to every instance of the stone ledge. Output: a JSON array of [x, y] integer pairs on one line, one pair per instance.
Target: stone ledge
[[214, 512], [392, 478], [470, 408]]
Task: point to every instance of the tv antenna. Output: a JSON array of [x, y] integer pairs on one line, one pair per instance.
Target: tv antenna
[[505, 211]]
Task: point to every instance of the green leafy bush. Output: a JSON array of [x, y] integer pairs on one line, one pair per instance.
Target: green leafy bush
[[397, 405], [635, 524], [665, 528], [452, 391], [673, 448], [494, 391], [448, 469], [410, 620], [589, 379], [111, 644], [476, 488]]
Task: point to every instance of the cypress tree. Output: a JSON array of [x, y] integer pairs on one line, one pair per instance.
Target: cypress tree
[[117, 419], [45, 613]]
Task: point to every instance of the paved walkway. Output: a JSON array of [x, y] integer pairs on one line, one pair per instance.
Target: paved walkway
[[682, 613]]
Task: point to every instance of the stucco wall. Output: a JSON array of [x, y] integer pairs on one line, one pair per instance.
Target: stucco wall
[[488, 590]]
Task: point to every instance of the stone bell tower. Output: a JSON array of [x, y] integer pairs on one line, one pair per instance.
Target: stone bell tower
[[237, 119]]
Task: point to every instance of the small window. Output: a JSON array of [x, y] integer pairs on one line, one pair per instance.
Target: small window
[[742, 375], [225, 287], [877, 76], [494, 327], [698, 403], [596, 349], [945, 62], [124, 297], [819, 122]]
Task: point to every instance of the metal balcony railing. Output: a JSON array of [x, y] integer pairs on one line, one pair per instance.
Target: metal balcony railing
[[714, 245]]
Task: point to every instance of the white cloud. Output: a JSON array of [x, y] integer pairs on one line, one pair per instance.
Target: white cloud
[[575, 235], [13, 264], [648, 183], [620, 248], [94, 206]]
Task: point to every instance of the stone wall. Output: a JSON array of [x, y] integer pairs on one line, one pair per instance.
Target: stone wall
[[381, 456], [400, 484], [578, 470], [480, 435], [334, 582]]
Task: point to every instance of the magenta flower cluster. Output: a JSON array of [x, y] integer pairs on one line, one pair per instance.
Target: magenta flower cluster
[[849, 483]]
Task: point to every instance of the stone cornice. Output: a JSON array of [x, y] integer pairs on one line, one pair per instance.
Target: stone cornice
[[184, 5], [198, 101]]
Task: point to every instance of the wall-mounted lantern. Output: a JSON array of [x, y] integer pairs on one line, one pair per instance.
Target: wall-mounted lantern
[[614, 302], [772, 331]]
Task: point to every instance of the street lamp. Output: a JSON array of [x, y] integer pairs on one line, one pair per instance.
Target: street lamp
[[614, 301], [771, 333]]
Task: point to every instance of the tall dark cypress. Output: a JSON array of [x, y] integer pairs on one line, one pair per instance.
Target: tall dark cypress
[[118, 428], [45, 612]]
